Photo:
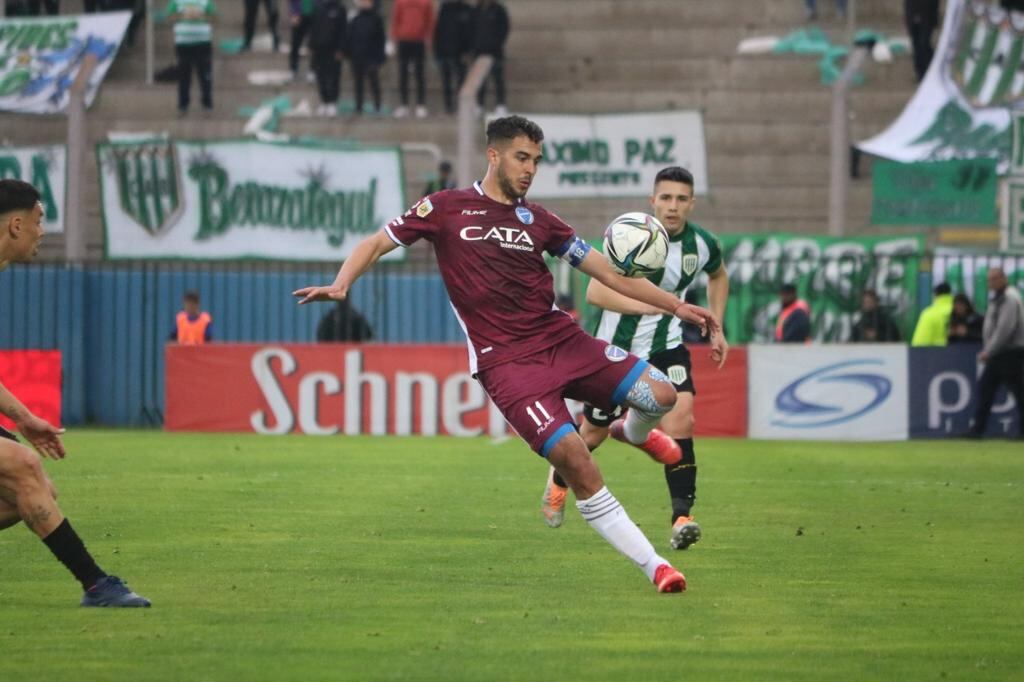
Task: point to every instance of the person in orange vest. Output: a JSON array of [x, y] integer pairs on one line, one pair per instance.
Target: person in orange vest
[[794, 323], [192, 327]]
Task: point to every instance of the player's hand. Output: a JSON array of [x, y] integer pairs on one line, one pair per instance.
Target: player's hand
[[44, 436], [982, 356], [719, 349], [313, 294], [702, 317]]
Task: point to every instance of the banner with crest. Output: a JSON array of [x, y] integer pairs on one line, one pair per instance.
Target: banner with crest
[[40, 58], [962, 107], [232, 199]]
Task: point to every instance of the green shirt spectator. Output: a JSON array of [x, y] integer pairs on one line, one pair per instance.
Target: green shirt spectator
[[192, 24], [933, 326]]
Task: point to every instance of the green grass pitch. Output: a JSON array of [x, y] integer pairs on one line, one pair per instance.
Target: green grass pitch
[[300, 558]]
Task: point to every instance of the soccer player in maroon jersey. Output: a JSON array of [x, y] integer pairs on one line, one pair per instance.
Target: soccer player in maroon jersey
[[527, 354]]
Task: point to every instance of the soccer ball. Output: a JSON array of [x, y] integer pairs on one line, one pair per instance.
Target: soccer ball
[[636, 244]]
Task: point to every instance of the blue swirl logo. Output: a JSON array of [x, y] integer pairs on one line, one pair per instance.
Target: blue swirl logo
[[801, 413]]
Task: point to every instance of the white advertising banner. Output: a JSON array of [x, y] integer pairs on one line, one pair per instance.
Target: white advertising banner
[[245, 199], [835, 392], [40, 58], [962, 107], [617, 155], [44, 167]]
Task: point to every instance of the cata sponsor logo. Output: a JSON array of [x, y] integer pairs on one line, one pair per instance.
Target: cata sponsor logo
[[852, 392], [507, 237]]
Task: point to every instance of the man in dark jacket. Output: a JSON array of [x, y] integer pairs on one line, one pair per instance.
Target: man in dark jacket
[[874, 325], [327, 42], [251, 7], [343, 322], [490, 31], [921, 17], [366, 51], [300, 14], [452, 36]]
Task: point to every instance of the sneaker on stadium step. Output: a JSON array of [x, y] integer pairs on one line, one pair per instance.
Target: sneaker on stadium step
[[553, 502], [659, 445], [111, 591], [668, 579], [685, 532]]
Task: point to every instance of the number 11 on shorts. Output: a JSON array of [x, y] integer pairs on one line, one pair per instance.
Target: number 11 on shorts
[[533, 415]]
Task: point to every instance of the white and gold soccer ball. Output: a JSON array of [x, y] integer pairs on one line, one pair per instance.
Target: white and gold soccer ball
[[636, 244]]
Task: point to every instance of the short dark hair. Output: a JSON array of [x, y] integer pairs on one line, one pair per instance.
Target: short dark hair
[[445, 167], [191, 297], [943, 288], [787, 289], [510, 127], [870, 292], [674, 174], [17, 195]]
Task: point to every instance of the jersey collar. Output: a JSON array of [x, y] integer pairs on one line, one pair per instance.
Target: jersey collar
[[480, 190]]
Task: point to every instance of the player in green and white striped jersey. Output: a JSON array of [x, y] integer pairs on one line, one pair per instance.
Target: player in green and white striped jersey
[[650, 334]]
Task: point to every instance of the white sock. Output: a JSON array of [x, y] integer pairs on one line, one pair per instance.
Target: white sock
[[637, 426], [605, 515]]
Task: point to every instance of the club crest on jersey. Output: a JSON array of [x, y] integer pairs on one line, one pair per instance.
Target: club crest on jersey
[[615, 354], [690, 263], [424, 209], [677, 374], [507, 237], [525, 215]]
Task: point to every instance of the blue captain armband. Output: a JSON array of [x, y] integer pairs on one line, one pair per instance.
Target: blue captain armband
[[574, 251]]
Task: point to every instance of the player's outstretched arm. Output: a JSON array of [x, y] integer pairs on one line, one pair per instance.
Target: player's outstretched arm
[[608, 299], [366, 253], [718, 294], [645, 291], [43, 435]]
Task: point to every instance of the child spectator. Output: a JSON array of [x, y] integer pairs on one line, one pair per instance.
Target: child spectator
[[452, 38], [327, 42], [366, 50]]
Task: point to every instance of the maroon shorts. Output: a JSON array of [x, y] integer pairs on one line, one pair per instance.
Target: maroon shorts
[[531, 391]]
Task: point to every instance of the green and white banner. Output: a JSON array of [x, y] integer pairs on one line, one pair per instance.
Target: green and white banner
[[956, 192], [617, 155], [245, 199], [40, 58], [829, 273], [46, 169], [962, 108]]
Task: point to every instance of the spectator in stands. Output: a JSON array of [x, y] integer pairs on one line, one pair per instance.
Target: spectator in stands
[[794, 323], [965, 324], [1003, 351], [138, 10], [366, 41], [933, 326], [327, 42], [251, 8], [193, 44], [344, 322], [921, 18], [452, 38], [192, 325], [1012, 5], [412, 27], [812, 9], [300, 13], [874, 325], [490, 31], [31, 8], [444, 179]]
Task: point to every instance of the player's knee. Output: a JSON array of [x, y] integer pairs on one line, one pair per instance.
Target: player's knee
[[663, 390], [24, 467]]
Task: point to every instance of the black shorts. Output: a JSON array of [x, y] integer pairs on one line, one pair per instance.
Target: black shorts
[[674, 362], [4, 433]]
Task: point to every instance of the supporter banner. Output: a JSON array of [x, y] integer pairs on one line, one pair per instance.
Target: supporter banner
[[967, 272], [829, 273], [376, 389], [957, 192], [962, 108], [840, 392], [46, 169], [1013, 214], [943, 382], [245, 199], [40, 58], [617, 155], [34, 376]]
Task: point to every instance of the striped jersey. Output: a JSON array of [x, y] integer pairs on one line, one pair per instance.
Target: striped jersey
[[690, 252], [192, 31]]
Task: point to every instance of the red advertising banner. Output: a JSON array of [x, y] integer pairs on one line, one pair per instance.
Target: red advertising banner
[[720, 407], [372, 389], [34, 377]]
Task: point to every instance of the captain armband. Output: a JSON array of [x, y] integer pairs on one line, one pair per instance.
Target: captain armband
[[574, 251]]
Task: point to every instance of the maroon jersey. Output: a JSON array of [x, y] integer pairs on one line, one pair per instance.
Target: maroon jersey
[[491, 257]]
